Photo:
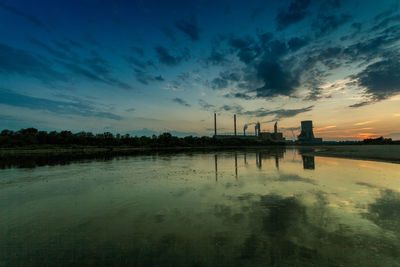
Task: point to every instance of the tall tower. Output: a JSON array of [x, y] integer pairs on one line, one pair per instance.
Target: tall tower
[[234, 123], [215, 123], [307, 133]]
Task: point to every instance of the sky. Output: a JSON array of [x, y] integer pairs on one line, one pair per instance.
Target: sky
[[146, 66]]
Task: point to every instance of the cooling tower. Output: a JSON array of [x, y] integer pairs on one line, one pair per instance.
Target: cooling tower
[[307, 133]]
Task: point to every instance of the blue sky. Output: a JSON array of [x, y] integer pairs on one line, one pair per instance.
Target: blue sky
[[152, 66]]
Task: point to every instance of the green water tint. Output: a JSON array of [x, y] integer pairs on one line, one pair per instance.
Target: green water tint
[[254, 208]]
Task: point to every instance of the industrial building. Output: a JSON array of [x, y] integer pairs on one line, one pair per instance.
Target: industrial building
[[307, 134], [274, 136], [305, 137]]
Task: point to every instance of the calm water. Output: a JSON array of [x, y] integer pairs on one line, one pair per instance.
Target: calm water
[[259, 208]]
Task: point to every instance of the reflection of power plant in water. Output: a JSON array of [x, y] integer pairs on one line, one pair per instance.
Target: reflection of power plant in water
[[276, 154], [308, 162]]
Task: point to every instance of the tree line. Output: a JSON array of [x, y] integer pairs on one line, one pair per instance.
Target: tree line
[[34, 137]]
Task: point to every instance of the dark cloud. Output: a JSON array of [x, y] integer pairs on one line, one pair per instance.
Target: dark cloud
[[331, 4], [98, 77], [139, 63], [386, 22], [361, 104], [314, 94], [22, 62], [230, 76], [380, 80], [357, 26], [239, 95], [189, 27], [387, 13], [62, 45], [98, 64], [137, 50], [296, 43], [146, 78], [54, 52], [277, 80], [295, 13], [246, 48], [256, 12], [166, 58], [205, 106], [180, 101], [169, 33], [326, 23], [279, 113], [219, 83], [216, 58], [22, 14], [79, 108]]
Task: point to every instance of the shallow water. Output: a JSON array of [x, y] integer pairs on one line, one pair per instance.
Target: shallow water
[[254, 208]]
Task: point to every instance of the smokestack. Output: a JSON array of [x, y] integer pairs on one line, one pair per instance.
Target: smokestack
[[244, 129], [234, 123], [215, 123]]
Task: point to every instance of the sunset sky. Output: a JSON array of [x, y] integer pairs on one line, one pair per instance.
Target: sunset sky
[[145, 66]]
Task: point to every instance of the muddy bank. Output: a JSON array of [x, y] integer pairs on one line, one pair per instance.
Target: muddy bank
[[388, 153]]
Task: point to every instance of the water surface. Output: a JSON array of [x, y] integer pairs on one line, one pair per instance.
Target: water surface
[[255, 208]]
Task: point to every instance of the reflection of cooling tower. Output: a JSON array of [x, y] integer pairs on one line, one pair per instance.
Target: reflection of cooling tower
[[307, 133]]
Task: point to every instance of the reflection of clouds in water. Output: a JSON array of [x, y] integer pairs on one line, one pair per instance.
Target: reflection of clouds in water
[[385, 212], [282, 231], [295, 178]]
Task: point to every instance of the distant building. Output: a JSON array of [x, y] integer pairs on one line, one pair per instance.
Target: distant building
[[273, 137], [307, 133]]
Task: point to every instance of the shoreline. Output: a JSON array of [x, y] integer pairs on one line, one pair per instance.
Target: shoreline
[[382, 153], [385, 153]]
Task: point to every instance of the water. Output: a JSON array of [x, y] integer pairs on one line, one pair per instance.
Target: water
[[255, 208]]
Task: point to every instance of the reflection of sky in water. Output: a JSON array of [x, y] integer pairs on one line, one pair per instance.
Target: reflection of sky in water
[[270, 208]]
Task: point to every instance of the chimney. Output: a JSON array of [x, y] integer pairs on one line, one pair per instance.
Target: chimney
[[215, 123], [234, 123]]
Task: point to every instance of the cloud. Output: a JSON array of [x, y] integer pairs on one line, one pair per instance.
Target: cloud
[[363, 123], [22, 14], [216, 58], [279, 113], [239, 95], [130, 110], [205, 106], [295, 13], [180, 101], [137, 50], [277, 80], [219, 83], [22, 62], [167, 59], [326, 23], [140, 64], [387, 21], [246, 48], [79, 108], [189, 27], [145, 78], [380, 80], [169, 33], [314, 94], [296, 43], [54, 52]]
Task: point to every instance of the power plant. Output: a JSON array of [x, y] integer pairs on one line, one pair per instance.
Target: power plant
[[258, 135], [306, 136]]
